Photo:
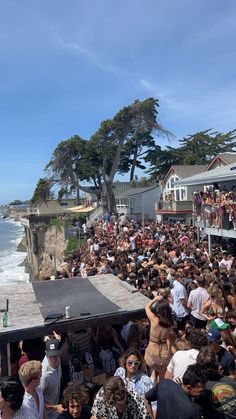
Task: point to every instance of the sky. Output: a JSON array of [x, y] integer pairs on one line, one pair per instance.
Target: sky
[[67, 65]]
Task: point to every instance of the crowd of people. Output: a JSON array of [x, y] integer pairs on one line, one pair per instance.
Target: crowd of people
[[177, 363], [217, 208]]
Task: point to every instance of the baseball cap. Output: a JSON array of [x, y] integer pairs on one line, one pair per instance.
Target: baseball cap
[[213, 335], [52, 347], [219, 324]]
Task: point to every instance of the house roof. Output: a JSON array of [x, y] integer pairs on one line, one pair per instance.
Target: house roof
[[99, 299], [184, 171], [219, 174], [228, 158], [136, 191]]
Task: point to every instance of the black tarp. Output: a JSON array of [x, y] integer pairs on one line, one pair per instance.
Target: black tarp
[[83, 298]]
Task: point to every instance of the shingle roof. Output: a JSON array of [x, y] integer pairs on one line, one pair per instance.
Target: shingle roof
[[135, 191], [189, 170], [228, 157], [219, 174]]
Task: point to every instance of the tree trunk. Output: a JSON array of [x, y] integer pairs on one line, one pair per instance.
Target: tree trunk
[[109, 201]]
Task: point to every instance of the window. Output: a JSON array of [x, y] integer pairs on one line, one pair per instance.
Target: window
[[172, 180]]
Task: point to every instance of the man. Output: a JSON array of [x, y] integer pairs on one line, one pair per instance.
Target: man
[[174, 401], [219, 401], [225, 359], [30, 374], [182, 359], [179, 295], [75, 399], [51, 378], [196, 300]]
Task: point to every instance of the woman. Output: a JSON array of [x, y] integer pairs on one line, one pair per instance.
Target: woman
[[214, 306], [11, 399], [114, 401], [158, 351], [132, 367], [75, 400]]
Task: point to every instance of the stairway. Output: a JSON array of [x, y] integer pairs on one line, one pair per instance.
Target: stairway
[[97, 214]]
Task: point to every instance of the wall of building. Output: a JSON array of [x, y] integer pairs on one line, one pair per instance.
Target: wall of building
[[148, 201], [54, 206]]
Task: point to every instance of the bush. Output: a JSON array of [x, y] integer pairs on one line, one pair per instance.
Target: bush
[[57, 223]]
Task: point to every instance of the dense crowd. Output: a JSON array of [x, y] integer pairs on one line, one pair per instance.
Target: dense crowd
[[216, 207], [178, 363]]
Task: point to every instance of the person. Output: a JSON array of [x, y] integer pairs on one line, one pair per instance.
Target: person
[[158, 351], [75, 402], [11, 400], [131, 370], [214, 306], [225, 359], [195, 303], [30, 374], [219, 401], [183, 358], [51, 378], [114, 401], [180, 298], [174, 401]]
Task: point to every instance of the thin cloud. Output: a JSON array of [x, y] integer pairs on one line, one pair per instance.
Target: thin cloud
[[95, 61], [205, 108]]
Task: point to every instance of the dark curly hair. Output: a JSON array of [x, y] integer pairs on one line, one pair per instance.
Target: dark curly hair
[[208, 361], [12, 392], [75, 391], [114, 390]]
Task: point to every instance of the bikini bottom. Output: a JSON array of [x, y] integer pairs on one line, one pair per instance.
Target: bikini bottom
[[156, 361]]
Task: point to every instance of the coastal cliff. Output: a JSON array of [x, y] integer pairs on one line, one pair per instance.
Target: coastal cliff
[[45, 250]]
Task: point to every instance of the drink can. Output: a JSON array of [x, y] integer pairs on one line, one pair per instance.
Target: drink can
[[67, 312]]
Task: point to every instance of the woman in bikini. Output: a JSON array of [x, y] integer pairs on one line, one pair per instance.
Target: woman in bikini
[[158, 351], [214, 307]]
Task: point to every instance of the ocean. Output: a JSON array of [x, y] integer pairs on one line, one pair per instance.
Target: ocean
[[11, 233]]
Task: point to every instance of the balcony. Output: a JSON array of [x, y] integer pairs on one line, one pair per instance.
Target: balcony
[[174, 207]]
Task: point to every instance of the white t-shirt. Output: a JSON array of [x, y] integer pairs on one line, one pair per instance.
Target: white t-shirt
[[179, 293], [197, 298], [180, 362]]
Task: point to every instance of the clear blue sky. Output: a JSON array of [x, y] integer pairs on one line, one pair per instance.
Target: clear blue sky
[[67, 65]]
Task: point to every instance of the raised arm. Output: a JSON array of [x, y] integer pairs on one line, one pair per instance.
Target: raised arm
[[151, 316]]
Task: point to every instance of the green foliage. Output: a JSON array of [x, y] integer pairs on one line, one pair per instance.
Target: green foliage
[[57, 223], [16, 202], [42, 191], [199, 148], [72, 244], [119, 145]]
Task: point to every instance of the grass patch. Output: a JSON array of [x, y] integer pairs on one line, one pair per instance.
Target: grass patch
[[74, 244], [57, 223]]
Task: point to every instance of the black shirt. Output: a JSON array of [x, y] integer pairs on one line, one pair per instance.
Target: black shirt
[[226, 361], [173, 402], [219, 401], [85, 414]]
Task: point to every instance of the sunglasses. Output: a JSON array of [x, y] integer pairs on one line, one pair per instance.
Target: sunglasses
[[134, 363]]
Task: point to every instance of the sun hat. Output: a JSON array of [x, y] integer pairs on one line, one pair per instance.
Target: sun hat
[[219, 324], [213, 335]]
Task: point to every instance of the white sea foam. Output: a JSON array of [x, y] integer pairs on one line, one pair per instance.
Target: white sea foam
[[10, 259]]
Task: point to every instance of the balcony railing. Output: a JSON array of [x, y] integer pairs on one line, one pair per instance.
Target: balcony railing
[[174, 206], [214, 218]]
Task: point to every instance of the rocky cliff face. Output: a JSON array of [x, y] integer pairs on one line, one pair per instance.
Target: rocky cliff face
[[45, 248]]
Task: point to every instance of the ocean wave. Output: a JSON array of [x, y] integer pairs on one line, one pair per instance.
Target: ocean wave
[[10, 271], [10, 259]]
